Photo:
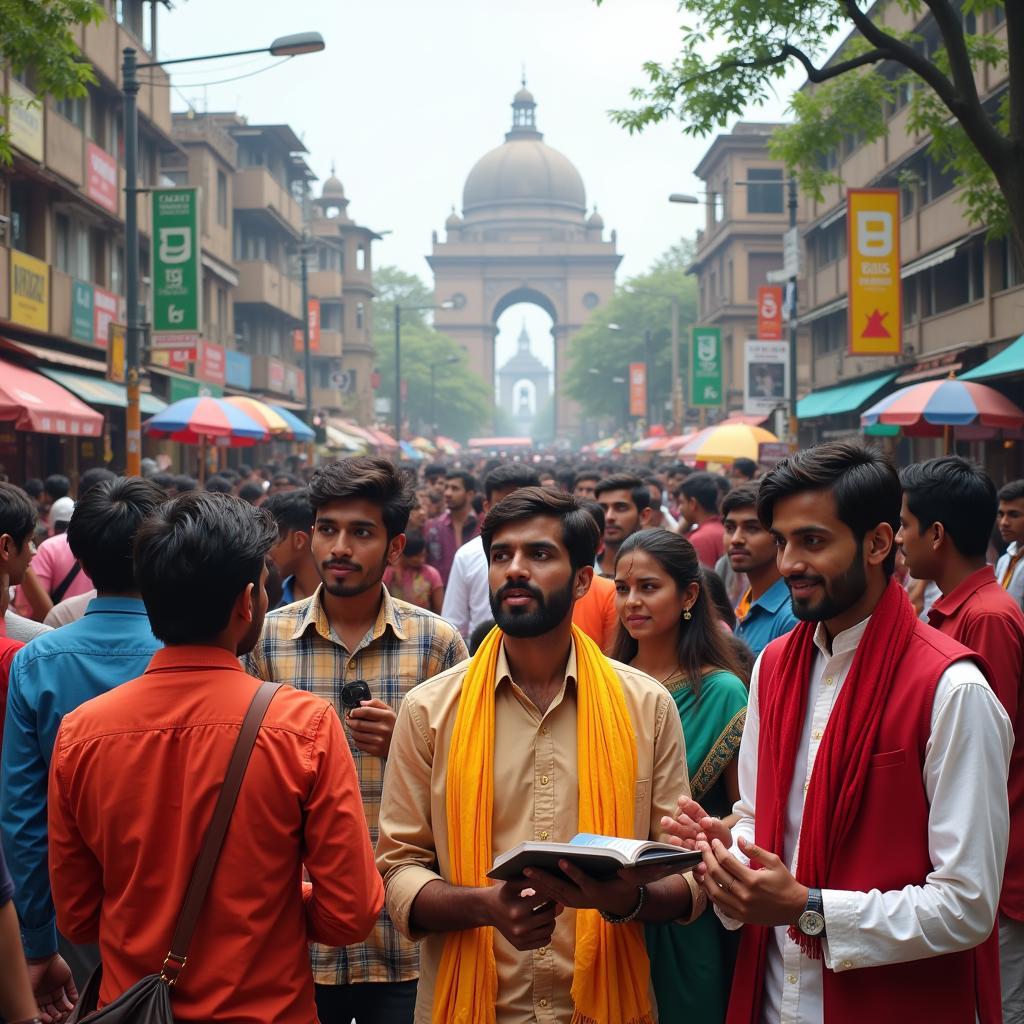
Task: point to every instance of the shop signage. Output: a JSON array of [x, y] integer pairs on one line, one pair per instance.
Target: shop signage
[[30, 291], [101, 177], [106, 309], [25, 120], [276, 375], [116, 350], [176, 269], [314, 329], [637, 389], [875, 323], [210, 366], [765, 377], [180, 389], [769, 312], [238, 370], [82, 311], [706, 366]]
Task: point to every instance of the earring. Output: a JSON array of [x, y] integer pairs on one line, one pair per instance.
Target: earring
[[687, 615]]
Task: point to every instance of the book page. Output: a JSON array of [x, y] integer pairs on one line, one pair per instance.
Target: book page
[[628, 847]]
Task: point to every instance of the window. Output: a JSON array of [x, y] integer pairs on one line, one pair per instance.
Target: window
[[62, 243], [1010, 274], [758, 266], [997, 16], [767, 197], [222, 199], [72, 110], [828, 244], [909, 300], [222, 313], [361, 258], [117, 270], [957, 282], [938, 181], [330, 316], [129, 14], [98, 256], [717, 207], [72, 247], [360, 318], [828, 333]]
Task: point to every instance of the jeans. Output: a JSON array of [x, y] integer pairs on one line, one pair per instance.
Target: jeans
[[369, 1003]]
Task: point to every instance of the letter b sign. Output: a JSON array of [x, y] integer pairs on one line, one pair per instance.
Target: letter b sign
[[874, 233]]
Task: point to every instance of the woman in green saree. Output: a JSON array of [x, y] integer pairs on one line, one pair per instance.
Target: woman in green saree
[[672, 632]]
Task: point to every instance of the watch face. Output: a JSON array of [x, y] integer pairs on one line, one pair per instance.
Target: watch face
[[811, 923]]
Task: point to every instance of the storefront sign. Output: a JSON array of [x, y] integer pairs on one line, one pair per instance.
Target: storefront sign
[[116, 348], [25, 120], [180, 389], [106, 309], [766, 376], [238, 370], [706, 367], [82, 311], [101, 177], [176, 359], [769, 312], [210, 366], [276, 375], [30, 291], [875, 323], [176, 266], [637, 389]]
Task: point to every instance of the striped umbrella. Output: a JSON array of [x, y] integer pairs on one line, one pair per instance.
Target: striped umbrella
[[195, 420], [274, 423], [726, 442], [299, 430]]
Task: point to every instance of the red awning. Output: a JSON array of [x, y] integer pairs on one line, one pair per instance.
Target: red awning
[[41, 405]]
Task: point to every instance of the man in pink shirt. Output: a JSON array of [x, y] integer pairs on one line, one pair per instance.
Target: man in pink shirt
[[698, 502]]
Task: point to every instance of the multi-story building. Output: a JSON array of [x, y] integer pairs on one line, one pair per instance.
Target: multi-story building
[[741, 245]]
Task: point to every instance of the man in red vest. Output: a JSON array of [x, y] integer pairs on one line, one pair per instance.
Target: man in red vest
[[873, 814]]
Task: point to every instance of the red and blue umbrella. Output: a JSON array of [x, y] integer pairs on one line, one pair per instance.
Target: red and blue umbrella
[[299, 430], [198, 420]]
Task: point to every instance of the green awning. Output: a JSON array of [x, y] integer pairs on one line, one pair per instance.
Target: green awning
[[97, 391], [1010, 360], [841, 398]]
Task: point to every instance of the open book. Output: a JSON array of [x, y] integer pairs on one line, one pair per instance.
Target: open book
[[599, 856]]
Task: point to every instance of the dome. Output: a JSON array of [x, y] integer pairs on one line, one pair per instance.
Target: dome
[[453, 221], [524, 96], [595, 220], [332, 187]]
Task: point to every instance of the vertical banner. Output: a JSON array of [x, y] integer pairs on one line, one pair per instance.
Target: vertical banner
[[101, 177], [30, 291], [637, 389], [298, 338], [176, 273], [116, 345], [106, 309], [769, 312], [706, 367], [766, 376], [875, 322], [82, 311]]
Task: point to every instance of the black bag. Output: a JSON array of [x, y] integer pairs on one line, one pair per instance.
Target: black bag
[[148, 1001]]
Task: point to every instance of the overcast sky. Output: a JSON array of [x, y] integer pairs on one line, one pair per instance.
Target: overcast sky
[[408, 95]]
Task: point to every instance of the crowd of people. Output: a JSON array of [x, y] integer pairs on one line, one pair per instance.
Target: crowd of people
[[810, 673]]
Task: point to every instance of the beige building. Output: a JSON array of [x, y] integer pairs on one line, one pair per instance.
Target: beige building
[[740, 246]]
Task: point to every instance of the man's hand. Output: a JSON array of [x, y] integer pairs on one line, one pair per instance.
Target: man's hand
[[372, 724], [53, 987], [521, 914], [616, 896], [769, 895], [693, 824]]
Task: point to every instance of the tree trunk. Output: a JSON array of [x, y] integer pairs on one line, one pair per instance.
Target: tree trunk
[[1011, 184]]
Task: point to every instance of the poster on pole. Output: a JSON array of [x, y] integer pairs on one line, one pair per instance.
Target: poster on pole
[[637, 389], [765, 376], [706, 367], [176, 269], [769, 312], [875, 323]]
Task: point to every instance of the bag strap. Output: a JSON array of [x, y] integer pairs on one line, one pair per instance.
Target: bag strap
[[202, 874], [62, 588]]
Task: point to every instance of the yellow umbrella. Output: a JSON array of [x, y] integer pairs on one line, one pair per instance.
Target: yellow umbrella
[[423, 444], [726, 442], [261, 413]]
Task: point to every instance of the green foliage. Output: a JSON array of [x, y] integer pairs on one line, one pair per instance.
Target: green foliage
[[462, 401], [39, 34], [643, 303]]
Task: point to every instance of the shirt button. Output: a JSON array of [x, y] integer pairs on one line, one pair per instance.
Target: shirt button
[[543, 1002], [847, 963], [829, 681], [807, 786], [817, 734], [544, 731], [543, 951], [544, 834], [791, 978], [543, 780]]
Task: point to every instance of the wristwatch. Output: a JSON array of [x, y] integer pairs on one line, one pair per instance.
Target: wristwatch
[[812, 921]]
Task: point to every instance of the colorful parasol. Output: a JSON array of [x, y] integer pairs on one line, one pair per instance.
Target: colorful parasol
[[196, 420], [262, 413], [299, 430], [726, 442]]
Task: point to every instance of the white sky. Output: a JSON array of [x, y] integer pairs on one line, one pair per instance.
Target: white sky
[[409, 95]]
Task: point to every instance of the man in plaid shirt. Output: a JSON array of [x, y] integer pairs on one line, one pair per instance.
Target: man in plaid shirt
[[351, 630]]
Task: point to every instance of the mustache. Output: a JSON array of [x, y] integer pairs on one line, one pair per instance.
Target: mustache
[[506, 588], [804, 578], [342, 565]]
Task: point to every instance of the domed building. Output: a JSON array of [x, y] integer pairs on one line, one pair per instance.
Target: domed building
[[523, 236]]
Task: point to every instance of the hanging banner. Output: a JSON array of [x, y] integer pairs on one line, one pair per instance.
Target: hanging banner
[[637, 389], [116, 335], [101, 177], [706, 366], [25, 120], [30, 291], [769, 312], [875, 317], [765, 377], [211, 364], [298, 339], [176, 271], [106, 309], [82, 311]]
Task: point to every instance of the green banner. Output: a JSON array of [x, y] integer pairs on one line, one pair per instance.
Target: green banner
[[706, 367], [81, 311], [180, 389], [176, 267]]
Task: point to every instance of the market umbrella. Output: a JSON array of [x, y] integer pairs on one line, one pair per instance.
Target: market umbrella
[[935, 408], [423, 444], [299, 430], [726, 442], [262, 413], [411, 452]]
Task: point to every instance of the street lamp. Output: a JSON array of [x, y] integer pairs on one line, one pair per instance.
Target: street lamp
[[678, 396], [433, 371], [447, 304], [284, 46], [683, 197]]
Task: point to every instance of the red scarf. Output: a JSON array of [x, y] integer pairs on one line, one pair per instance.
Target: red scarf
[[841, 767]]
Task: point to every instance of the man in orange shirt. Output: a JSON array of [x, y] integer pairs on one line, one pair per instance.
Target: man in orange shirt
[[136, 772], [595, 612]]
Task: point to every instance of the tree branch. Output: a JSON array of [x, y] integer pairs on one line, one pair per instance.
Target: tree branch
[[818, 75], [948, 20], [1015, 61]]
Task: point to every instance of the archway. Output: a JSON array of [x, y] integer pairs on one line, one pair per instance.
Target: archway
[[524, 358]]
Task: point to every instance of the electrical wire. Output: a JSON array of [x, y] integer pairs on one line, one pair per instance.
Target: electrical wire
[[222, 81]]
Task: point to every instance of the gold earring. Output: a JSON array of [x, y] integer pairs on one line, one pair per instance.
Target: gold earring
[[687, 615]]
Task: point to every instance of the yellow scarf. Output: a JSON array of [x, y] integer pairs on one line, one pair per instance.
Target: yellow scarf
[[611, 973]]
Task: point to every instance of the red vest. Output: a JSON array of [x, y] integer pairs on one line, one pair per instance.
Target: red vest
[[887, 850]]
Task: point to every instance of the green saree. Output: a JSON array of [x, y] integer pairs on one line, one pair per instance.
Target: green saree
[[692, 966]]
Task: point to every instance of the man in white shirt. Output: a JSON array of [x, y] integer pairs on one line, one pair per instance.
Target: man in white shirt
[[873, 817], [467, 600], [1010, 567]]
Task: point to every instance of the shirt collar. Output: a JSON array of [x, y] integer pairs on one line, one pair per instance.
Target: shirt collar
[[116, 605], [773, 598], [1012, 548], [951, 603], [316, 615], [503, 672], [193, 656], [842, 643]]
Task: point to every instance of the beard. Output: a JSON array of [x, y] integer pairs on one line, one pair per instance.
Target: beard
[[346, 588], [550, 612], [842, 592]]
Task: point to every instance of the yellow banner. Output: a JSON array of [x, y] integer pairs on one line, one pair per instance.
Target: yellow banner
[[30, 291], [116, 353], [875, 324], [25, 120]]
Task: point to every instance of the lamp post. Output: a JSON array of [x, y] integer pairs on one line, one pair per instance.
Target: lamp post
[[449, 304], [285, 46], [433, 370], [307, 359]]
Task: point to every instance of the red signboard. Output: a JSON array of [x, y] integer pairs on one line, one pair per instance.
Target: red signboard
[[314, 330], [101, 177], [769, 313], [637, 389], [105, 308], [211, 365], [179, 358], [276, 375]]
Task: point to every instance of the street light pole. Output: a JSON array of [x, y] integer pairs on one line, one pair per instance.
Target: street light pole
[[433, 372], [794, 426], [648, 379], [398, 372], [306, 356]]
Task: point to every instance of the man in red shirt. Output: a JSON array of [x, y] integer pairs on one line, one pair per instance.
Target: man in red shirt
[[949, 508], [698, 502], [459, 524], [136, 773]]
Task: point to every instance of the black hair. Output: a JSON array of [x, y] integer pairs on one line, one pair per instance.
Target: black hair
[[566, 478], [580, 534], [164, 480], [184, 483], [595, 510], [509, 475], [371, 478], [679, 469], [467, 478], [57, 486], [702, 640], [719, 596], [862, 481], [1012, 491], [748, 467], [477, 637], [33, 487], [230, 474], [17, 514], [585, 474], [640, 496], [291, 510], [91, 477], [703, 487], [251, 492], [194, 557], [103, 527], [744, 496], [435, 469], [414, 544], [219, 485], [285, 478], [952, 491]]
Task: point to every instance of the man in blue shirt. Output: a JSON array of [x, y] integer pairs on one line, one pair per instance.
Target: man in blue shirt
[[56, 673], [292, 553], [764, 611]]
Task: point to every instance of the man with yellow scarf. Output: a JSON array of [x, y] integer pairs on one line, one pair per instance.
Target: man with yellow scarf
[[537, 737]]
